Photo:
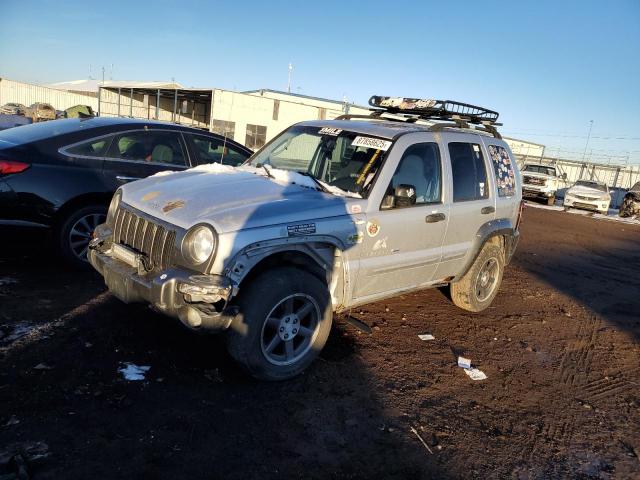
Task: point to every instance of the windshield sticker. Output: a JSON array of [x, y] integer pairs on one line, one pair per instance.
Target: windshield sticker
[[330, 131], [301, 229], [370, 142]]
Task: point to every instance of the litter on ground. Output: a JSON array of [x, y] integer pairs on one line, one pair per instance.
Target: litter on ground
[[426, 336], [464, 362], [133, 372], [475, 374]]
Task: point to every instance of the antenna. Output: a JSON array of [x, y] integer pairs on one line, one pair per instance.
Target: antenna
[[289, 82]]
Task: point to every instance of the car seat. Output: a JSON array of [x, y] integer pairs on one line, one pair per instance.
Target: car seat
[[162, 153], [411, 172]]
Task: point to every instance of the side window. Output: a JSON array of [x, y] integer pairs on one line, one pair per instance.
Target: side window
[[92, 148], [469, 173], [503, 170], [419, 168], [212, 150], [256, 136], [148, 146]]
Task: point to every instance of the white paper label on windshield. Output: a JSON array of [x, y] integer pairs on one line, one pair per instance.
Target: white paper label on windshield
[[370, 142]]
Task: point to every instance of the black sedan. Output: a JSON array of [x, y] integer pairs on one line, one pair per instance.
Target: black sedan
[[61, 174]]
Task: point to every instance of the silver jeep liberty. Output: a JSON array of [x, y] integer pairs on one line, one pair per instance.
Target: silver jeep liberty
[[327, 216]]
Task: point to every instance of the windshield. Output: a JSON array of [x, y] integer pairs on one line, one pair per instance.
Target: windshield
[[587, 183], [338, 158], [540, 169]]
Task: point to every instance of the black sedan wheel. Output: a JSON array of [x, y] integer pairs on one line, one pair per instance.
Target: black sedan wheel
[[76, 231]]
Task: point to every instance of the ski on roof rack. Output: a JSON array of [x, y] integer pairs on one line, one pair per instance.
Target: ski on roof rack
[[429, 109]]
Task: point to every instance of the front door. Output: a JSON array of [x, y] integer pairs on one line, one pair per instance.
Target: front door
[[403, 238]]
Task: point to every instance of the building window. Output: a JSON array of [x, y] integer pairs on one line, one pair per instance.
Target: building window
[[322, 114], [256, 136], [224, 128], [276, 109]]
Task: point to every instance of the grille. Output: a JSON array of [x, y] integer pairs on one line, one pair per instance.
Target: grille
[[151, 239], [582, 197], [586, 206], [533, 180]]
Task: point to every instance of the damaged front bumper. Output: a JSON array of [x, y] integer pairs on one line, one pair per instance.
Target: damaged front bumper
[[199, 301]]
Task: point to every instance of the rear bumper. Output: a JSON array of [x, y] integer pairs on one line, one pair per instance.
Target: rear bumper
[[175, 292]]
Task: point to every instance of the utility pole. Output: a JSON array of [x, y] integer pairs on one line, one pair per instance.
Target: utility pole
[[289, 82], [588, 137]]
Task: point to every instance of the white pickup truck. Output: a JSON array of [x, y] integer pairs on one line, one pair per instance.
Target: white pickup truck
[[541, 182]]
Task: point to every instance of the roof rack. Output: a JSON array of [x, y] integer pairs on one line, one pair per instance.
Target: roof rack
[[462, 115]]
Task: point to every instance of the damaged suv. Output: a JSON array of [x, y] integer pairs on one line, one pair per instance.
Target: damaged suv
[[327, 216]]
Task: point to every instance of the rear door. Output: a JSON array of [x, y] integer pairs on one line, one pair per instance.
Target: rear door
[[137, 154], [506, 178], [471, 198]]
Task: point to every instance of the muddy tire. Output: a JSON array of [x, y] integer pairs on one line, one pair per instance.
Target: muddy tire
[[74, 232], [283, 323], [551, 200], [478, 287]]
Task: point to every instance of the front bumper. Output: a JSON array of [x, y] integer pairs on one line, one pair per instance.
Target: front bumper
[[593, 205], [534, 191], [198, 301]]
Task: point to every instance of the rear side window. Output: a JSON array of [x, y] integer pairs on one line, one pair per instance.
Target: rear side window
[[213, 150], [469, 173], [503, 170], [92, 148], [148, 146]]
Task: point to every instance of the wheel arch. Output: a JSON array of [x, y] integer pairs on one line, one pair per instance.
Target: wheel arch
[[79, 202]]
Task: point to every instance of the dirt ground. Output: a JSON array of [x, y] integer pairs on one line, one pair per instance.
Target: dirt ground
[[560, 347]]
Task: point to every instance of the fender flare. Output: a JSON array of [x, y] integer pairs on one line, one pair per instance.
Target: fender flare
[[493, 228]]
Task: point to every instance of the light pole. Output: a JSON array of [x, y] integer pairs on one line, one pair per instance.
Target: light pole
[[588, 136], [289, 82]]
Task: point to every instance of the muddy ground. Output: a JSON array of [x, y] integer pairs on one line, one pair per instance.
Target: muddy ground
[[560, 347]]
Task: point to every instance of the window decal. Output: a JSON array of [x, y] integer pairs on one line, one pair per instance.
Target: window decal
[[503, 169]]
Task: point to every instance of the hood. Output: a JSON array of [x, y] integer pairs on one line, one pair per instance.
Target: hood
[[587, 191], [229, 199]]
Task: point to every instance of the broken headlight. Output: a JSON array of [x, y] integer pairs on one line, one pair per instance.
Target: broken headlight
[[199, 244]]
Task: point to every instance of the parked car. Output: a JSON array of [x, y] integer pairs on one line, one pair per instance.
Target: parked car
[[62, 174], [13, 109], [79, 111], [327, 216], [588, 195], [540, 182], [631, 203], [40, 111]]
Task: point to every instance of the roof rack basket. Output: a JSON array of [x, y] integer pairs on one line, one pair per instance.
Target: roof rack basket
[[413, 109]]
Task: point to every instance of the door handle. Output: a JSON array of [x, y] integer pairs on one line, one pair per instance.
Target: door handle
[[486, 210], [124, 179], [435, 217]]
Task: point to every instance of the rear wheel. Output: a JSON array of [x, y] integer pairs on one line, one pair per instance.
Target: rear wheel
[[284, 321], [478, 287], [75, 233]]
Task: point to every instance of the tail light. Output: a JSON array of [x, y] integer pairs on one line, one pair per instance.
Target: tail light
[[519, 214], [8, 167]]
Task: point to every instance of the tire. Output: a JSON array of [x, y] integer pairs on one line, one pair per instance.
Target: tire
[[468, 293], [551, 200], [256, 338], [74, 229]]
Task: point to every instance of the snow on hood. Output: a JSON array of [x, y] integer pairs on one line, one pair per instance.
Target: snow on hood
[[232, 198]]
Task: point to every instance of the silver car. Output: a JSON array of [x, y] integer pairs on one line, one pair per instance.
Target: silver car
[[327, 216]]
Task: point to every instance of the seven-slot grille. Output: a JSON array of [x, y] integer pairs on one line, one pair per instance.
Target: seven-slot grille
[[533, 180], [149, 238]]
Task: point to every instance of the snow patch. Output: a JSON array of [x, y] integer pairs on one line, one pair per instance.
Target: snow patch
[[612, 214], [163, 173], [133, 372], [213, 168]]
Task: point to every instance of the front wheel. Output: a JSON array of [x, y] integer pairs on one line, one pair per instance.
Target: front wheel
[[478, 287], [284, 321]]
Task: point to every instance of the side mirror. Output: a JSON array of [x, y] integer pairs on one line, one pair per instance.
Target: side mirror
[[405, 195]]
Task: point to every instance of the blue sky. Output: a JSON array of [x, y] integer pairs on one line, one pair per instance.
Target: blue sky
[[547, 67]]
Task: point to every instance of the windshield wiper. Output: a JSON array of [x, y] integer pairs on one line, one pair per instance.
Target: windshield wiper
[[317, 182], [263, 166]]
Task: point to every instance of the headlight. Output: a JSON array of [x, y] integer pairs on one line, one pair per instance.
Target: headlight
[[113, 207], [199, 244]]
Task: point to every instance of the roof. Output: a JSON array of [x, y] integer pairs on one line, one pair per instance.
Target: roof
[[92, 85], [308, 97]]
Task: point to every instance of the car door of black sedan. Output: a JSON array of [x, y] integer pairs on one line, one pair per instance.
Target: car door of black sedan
[[138, 154]]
